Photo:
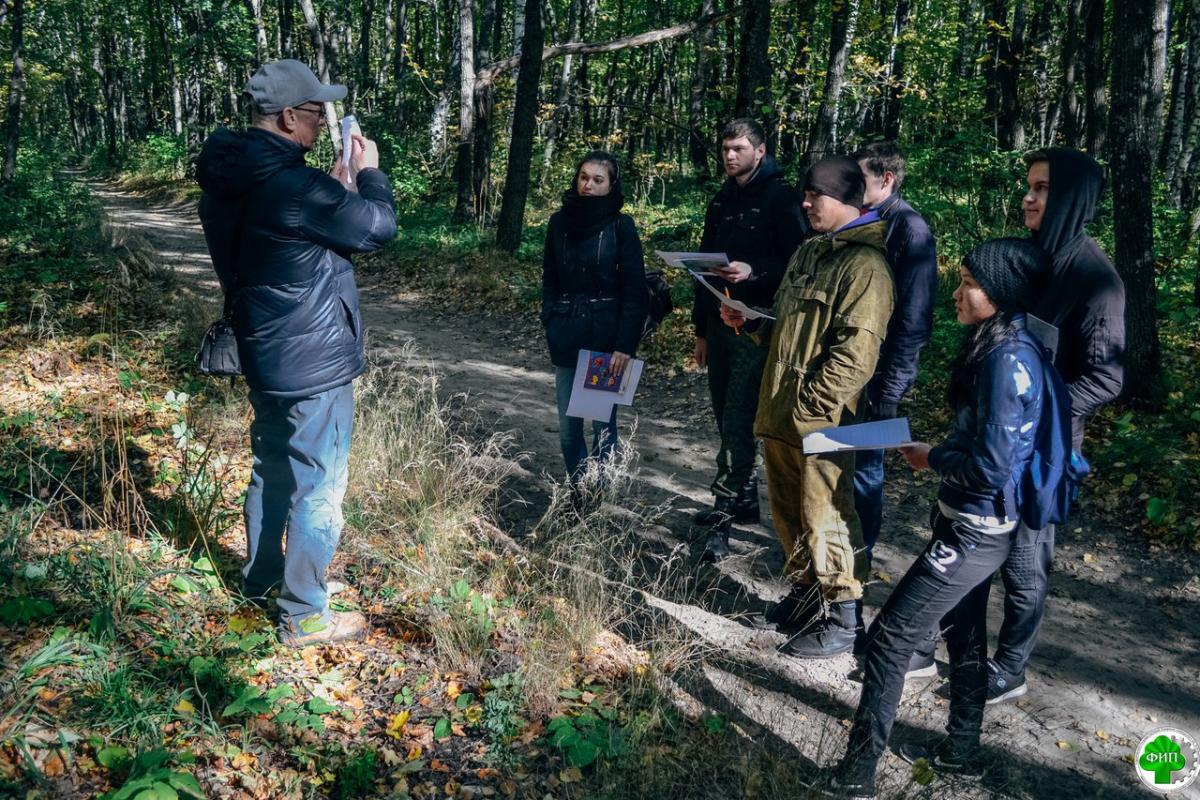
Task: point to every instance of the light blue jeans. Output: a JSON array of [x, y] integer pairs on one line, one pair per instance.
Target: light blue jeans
[[301, 465], [570, 430]]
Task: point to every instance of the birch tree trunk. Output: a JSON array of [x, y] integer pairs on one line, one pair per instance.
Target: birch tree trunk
[[318, 42], [464, 206], [260, 33], [16, 90]]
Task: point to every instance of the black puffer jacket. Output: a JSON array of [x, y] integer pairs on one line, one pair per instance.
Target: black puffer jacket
[[982, 460], [1084, 296], [294, 302], [760, 224], [593, 289]]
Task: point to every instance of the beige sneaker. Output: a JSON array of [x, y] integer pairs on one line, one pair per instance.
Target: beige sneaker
[[342, 626]]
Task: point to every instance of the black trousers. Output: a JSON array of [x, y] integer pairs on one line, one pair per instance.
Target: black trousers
[[1026, 575], [948, 583]]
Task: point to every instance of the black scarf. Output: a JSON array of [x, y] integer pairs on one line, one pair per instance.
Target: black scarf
[[585, 216]]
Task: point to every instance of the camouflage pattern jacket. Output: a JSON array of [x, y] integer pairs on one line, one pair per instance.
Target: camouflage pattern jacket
[[832, 313]]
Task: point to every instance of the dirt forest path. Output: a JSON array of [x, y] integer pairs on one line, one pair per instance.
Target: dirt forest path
[[1118, 655]]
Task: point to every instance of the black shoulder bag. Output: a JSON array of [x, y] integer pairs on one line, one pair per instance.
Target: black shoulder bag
[[218, 354]]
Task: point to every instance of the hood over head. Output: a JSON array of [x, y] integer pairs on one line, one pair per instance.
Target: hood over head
[[1076, 184], [231, 163]]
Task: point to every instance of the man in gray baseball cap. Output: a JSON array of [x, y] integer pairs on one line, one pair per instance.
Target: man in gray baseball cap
[[281, 234], [287, 84]]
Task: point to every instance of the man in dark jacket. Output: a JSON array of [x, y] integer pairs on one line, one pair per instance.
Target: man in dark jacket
[[757, 221], [1084, 299], [280, 234], [912, 256]]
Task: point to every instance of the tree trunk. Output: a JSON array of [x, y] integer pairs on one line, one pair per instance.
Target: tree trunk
[[365, 75], [1004, 71], [260, 32], [439, 122], [1137, 78], [16, 90], [754, 64], [485, 103], [824, 131], [516, 184], [464, 168], [1045, 102], [400, 62], [891, 113], [1172, 138], [699, 148], [968, 27], [1096, 78], [1190, 121], [1068, 110], [558, 119], [318, 43]]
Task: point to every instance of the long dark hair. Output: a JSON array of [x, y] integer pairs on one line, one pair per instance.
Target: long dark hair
[[980, 341]]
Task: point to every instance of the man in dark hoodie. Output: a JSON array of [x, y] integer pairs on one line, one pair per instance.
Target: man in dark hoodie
[[280, 234], [757, 221], [1084, 298]]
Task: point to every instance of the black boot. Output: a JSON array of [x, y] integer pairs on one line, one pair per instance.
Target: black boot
[[830, 637], [717, 546], [850, 779], [745, 505], [721, 512], [795, 612]]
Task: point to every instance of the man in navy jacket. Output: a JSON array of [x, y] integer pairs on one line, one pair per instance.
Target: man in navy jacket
[[280, 234], [912, 256]]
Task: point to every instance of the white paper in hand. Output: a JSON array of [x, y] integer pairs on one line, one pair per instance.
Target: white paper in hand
[[349, 127], [876, 435], [737, 305]]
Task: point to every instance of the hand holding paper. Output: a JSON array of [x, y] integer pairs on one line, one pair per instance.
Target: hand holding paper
[[917, 455], [746, 311]]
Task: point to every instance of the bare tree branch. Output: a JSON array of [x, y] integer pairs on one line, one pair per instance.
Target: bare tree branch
[[488, 73]]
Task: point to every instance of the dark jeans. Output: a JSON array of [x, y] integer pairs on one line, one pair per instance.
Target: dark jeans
[[301, 464], [1026, 575], [868, 495], [570, 429], [949, 583], [735, 372]]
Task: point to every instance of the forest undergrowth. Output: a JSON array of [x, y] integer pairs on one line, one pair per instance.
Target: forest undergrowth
[[131, 668]]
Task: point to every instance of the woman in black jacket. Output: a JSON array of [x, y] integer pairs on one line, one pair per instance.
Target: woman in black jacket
[[593, 295], [998, 393]]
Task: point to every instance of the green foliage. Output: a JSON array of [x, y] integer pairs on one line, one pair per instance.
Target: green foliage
[[151, 779], [356, 777], [158, 157], [583, 739], [23, 610]]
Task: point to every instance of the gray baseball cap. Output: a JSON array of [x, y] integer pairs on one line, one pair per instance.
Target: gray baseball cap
[[287, 84]]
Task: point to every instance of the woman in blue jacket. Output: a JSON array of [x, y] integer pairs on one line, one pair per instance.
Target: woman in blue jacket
[[593, 295], [997, 393]]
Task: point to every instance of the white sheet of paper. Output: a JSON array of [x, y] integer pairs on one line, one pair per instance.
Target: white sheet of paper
[[596, 405], [738, 305], [701, 263], [347, 126], [876, 435]]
